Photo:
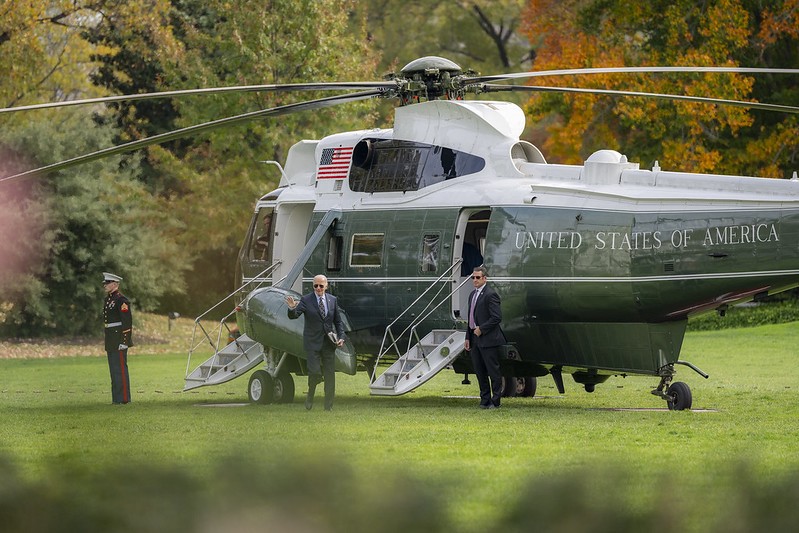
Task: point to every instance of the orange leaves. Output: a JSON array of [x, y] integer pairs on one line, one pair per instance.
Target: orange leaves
[[690, 136], [778, 22]]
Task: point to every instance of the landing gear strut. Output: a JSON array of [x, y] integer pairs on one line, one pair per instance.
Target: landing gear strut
[[678, 394]]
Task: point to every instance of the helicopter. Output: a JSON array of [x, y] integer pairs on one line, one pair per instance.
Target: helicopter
[[599, 266]]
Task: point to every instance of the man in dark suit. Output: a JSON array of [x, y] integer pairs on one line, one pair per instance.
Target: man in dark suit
[[484, 338], [322, 332]]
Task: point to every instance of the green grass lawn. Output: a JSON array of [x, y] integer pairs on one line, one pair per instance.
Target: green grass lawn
[[428, 460]]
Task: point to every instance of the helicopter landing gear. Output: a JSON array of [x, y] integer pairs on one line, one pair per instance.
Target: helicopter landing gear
[[273, 385], [284, 387], [678, 394], [265, 389], [518, 386], [261, 388]]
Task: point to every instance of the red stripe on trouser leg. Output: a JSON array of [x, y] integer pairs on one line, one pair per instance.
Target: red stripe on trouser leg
[[125, 393]]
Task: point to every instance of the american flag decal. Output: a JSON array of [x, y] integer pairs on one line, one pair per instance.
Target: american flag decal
[[334, 163]]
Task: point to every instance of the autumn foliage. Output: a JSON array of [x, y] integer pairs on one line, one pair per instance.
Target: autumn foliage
[[681, 135]]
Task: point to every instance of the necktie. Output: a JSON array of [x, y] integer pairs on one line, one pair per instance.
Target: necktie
[[471, 310], [322, 307]]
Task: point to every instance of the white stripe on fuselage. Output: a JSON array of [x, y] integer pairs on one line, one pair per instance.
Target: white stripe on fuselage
[[577, 279]]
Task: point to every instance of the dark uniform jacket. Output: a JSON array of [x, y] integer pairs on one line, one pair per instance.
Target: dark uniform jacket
[[487, 315], [316, 328], [118, 321]]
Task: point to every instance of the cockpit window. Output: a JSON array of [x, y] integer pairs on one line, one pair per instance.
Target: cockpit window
[[261, 238], [391, 165]]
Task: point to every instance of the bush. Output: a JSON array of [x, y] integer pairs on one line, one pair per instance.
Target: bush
[[747, 315]]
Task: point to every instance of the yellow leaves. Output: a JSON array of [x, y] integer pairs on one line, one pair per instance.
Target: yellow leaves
[[44, 56], [686, 154], [772, 146]]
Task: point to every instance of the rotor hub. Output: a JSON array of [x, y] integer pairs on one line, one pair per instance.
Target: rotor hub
[[428, 78]]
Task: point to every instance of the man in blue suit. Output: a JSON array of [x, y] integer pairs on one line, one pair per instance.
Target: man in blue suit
[[322, 332], [485, 337]]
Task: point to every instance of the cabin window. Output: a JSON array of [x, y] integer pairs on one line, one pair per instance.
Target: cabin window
[[430, 250], [335, 248], [367, 249], [262, 236], [393, 165]]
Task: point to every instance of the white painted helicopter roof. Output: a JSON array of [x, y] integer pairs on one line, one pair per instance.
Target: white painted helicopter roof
[[491, 130]]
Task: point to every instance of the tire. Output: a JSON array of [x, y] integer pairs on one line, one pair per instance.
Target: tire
[[679, 396], [283, 388], [508, 387], [261, 388], [528, 389]]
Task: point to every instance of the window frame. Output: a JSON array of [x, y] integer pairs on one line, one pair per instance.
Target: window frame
[[355, 249]]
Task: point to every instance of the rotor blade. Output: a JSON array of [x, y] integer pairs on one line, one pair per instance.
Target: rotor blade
[[213, 90], [737, 103], [163, 137], [626, 70]]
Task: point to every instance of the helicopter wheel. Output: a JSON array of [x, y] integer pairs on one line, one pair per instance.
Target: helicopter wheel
[[518, 386], [283, 388], [526, 386], [678, 396], [261, 388], [509, 387]]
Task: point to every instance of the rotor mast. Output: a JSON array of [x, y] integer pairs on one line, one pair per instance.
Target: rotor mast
[[428, 78]]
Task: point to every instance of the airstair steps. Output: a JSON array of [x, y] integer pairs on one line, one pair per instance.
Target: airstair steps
[[235, 359], [423, 360]]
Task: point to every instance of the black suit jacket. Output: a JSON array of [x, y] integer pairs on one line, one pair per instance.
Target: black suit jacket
[[487, 315], [314, 335]]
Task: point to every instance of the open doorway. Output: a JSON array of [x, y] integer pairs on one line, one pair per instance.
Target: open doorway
[[470, 246]]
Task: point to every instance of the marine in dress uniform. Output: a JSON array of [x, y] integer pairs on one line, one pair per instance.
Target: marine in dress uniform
[[118, 322]]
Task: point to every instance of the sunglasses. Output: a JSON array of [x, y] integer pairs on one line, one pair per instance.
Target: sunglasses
[[318, 286], [477, 277], [108, 282]]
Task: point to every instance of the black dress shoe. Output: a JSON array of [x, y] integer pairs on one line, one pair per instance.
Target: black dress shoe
[[309, 402], [328, 407], [485, 405]]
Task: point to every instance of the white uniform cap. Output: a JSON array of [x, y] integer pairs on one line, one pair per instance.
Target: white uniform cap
[[107, 276]]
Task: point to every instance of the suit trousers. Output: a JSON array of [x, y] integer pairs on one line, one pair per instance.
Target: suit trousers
[[322, 361], [489, 376]]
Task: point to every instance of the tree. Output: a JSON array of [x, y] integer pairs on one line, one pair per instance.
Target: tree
[[687, 136], [481, 36], [68, 230], [43, 55], [211, 180]]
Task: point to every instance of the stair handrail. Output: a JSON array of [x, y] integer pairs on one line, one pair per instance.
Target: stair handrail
[[424, 314], [195, 344], [421, 319]]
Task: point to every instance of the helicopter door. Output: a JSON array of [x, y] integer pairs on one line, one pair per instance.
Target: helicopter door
[[290, 232], [470, 246]]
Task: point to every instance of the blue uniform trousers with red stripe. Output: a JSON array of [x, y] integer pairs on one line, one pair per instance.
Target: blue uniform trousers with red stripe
[[120, 379]]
